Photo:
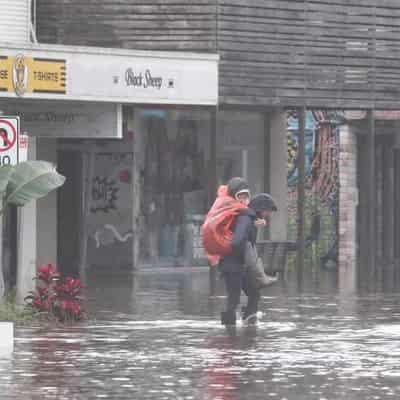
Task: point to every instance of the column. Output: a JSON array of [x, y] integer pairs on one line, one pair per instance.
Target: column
[[278, 173], [27, 239], [133, 126], [301, 196], [213, 186], [47, 208], [371, 180], [348, 201], [388, 203], [388, 212]]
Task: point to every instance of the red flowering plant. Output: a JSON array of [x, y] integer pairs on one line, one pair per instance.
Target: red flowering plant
[[57, 297], [47, 273]]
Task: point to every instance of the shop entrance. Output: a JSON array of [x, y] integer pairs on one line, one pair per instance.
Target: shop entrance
[[69, 212]]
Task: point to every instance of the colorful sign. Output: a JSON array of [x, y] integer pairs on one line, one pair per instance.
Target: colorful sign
[[20, 74]]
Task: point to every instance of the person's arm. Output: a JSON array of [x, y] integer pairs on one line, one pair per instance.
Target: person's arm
[[260, 223], [241, 234]]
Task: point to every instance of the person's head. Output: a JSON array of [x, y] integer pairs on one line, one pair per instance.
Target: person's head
[[238, 188], [264, 205]]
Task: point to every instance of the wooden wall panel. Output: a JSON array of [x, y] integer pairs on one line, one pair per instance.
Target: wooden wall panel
[[322, 53], [319, 53], [143, 24]]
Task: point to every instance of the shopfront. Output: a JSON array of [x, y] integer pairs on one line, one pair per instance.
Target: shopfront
[[143, 147], [124, 127], [176, 169]]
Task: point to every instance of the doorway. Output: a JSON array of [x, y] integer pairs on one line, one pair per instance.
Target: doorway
[[69, 212]]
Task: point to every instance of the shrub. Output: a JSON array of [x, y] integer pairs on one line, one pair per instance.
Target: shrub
[[58, 297], [10, 312]]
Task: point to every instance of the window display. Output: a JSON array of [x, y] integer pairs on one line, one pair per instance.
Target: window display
[[174, 183], [240, 147]]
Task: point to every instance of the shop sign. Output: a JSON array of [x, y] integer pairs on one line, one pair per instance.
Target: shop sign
[[23, 148], [21, 75], [68, 119], [145, 79], [118, 76]]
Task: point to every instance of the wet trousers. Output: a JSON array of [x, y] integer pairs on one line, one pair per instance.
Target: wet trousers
[[235, 282]]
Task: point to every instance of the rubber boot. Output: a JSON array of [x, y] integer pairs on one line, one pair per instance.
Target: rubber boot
[[249, 318], [228, 318]]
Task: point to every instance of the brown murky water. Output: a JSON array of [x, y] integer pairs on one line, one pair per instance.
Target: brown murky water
[[158, 337]]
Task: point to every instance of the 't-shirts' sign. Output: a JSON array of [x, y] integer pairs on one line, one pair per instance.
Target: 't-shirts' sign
[[21, 75], [67, 119], [119, 76]]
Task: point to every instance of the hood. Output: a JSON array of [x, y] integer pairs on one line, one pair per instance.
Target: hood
[[263, 201], [236, 185]]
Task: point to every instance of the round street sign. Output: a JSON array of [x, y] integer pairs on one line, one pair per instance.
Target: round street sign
[[8, 135], [9, 140]]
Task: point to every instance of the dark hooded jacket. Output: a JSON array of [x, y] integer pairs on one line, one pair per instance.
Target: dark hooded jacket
[[244, 231], [261, 202]]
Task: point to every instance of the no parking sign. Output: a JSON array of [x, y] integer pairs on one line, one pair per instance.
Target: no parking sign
[[9, 140]]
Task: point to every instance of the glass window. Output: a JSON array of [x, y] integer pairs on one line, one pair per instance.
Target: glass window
[[174, 181], [240, 147]]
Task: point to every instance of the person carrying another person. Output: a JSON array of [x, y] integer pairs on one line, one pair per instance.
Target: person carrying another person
[[246, 216]]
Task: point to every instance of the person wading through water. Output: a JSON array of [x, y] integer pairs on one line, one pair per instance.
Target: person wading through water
[[232, 267]]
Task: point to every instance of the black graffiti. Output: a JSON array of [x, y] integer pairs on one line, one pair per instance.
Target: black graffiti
[[104, 195]]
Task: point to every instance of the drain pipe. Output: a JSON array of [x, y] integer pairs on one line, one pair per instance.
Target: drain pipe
[[32, 26]]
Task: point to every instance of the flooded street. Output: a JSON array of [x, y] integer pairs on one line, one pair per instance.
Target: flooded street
[[159, 337]]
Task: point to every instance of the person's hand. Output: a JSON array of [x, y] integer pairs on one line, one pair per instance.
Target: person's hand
[[260, 222]]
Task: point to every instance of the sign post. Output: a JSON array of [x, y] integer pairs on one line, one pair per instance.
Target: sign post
[[9, 140]]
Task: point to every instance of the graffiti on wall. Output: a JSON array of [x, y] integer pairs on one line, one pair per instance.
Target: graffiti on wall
[[108, 234], [322, 179], [104, 194], [111, 200]]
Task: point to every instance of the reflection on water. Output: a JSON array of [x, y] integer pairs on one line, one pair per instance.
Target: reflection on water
[[158, 337]]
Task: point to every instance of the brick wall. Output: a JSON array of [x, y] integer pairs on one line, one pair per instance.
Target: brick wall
[[348, 199]]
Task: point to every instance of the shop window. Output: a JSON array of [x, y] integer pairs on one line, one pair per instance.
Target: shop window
[[240, 147], [174, 183]]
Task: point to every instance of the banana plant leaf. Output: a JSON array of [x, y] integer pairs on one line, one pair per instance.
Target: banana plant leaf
[[5, 175], [32, 180]]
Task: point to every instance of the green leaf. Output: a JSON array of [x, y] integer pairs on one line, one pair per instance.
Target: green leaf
[[32, 180], [5, 174]]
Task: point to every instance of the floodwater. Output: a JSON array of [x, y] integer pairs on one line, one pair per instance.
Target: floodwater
[[158, 337]]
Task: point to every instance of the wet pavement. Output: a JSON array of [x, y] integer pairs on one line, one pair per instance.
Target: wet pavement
[[158, 337]]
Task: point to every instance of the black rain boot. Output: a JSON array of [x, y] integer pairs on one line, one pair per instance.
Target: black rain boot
[[228, 318], [249, 318]]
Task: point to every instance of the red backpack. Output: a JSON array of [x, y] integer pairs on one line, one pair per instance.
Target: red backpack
[[216, 231]]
